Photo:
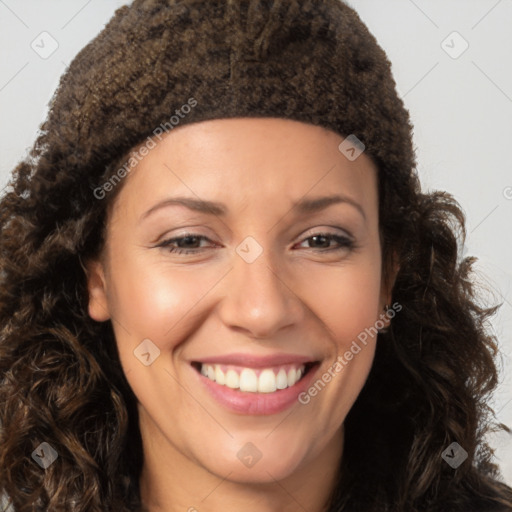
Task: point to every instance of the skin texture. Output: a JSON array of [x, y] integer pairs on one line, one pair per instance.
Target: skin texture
[[297, 297]]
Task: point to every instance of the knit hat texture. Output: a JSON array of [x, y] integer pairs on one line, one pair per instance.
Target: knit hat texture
[[309, 60]]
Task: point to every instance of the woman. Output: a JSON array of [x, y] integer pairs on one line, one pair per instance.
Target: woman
[[172, 338]]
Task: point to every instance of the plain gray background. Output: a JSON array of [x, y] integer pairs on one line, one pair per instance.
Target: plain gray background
[[451, 61]]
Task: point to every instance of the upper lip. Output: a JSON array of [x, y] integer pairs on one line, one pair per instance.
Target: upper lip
[[254, 361]]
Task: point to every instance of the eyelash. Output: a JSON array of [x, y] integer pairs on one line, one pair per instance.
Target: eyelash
[[345, 243]]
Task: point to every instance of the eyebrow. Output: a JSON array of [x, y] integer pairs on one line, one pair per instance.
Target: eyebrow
[[304, 206]]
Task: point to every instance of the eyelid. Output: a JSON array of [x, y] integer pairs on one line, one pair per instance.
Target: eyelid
[[167, 241], [325, 230], [178, 233]]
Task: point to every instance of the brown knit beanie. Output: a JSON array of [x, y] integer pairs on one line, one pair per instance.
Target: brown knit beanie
[[309, 60]]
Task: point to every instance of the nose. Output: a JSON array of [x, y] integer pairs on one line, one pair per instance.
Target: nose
[[261, 298]]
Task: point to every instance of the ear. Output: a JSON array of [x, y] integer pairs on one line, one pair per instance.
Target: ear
[[96, 284]]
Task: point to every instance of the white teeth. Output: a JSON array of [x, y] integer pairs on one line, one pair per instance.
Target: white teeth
[[247, 380], [267, 382], [282, 379], [292, 377], [219, 375], [232, 379]]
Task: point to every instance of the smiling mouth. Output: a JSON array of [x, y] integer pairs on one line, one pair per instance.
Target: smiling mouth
[[255, 380]]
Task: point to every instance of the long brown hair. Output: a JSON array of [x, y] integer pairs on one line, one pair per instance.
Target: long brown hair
[[61, 378]]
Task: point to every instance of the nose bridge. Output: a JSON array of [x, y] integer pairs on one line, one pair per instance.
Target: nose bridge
[[258, 298]]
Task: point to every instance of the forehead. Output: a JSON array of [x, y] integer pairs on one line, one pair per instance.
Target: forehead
[[246, 162]]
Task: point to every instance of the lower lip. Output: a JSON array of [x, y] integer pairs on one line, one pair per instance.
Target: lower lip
[[257, 403]]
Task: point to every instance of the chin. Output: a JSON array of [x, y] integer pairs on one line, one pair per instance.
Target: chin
[[251, 465]]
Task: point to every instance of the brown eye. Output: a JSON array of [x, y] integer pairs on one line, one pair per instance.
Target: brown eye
[[187, 244], [322, 241]]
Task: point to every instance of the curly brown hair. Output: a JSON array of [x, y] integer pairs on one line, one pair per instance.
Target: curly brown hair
[[61, 378]]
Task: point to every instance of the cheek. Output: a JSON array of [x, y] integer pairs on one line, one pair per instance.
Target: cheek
[[347, 301], [154, 301], [347, 305]]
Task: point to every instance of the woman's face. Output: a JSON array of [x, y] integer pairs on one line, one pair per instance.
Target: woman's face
[[255, 290]]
